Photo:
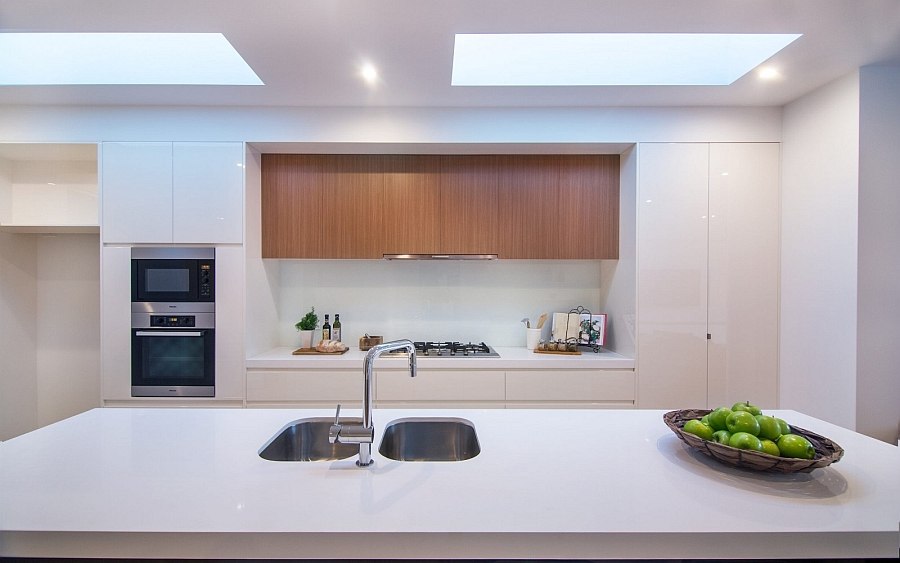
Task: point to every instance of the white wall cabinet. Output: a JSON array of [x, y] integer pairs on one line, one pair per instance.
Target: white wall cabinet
[[172, 193], [707, 274]]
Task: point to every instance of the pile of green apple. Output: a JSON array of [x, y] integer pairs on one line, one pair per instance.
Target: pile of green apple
[[745, 427]]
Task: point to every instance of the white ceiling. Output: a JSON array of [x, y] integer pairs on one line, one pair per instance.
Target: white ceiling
[[308, 51]]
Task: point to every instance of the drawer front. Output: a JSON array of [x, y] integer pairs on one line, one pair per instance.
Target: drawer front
[[570, 385], [440, 385], [305, 386]]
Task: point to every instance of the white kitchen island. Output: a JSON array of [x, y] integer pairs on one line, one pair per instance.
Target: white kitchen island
[[565, 484]]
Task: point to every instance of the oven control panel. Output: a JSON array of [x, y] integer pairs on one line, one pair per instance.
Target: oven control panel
[[173, 321]]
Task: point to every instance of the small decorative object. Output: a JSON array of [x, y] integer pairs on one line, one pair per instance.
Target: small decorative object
[[579, 325], [366, 342], [306, 326]]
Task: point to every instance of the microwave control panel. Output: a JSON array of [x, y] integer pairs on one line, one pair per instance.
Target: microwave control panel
[[205, 285], [173, 321]]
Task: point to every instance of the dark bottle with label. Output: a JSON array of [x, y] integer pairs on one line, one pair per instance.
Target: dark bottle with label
[[336, 329], [326, 330]]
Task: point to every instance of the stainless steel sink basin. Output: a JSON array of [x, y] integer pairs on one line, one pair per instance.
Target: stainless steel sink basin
[[307, 440], [429, 439]]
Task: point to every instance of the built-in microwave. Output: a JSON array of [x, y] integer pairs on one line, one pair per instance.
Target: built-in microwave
[[173, 275]]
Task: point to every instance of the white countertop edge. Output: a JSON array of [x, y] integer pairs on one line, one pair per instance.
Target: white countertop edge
[[510, 358], [462, 545]]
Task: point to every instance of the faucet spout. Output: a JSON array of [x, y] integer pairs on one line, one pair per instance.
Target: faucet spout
[[365, 434]]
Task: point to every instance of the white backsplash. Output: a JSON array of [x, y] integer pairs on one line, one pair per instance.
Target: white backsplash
[[434, 300]]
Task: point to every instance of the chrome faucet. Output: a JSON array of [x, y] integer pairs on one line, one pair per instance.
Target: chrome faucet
[[364, 435]]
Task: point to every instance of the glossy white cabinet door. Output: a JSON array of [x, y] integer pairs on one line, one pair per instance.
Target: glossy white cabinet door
[[136, 193], [208, 192], [743, 273], [672, 275]]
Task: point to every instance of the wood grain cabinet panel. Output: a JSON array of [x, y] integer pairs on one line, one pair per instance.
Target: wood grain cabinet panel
[[353, 198], [292, 188], [469, 204], [412, 216], [528, 206], [515, 206], [588, 225]]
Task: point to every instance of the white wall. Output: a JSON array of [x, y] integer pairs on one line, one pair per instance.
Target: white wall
[[878, 323], [18, 335], [68, 325], [820, 163]]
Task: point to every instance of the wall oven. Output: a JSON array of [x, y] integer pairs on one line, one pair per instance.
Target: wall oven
[[173, 322], [173, 350]]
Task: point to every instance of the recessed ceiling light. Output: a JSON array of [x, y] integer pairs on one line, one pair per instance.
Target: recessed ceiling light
[[369, 73], [121, 58], [610, 59], [768, 73]]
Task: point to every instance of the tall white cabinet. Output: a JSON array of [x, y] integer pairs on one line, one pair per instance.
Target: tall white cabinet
[[165, 193], [707, 296]]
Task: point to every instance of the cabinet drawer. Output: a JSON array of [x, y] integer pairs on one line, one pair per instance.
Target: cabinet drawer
[[440, 385], [306, 386], [570, 385]]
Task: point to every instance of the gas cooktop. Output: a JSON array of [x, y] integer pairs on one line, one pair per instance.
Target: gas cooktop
[[455, 350]]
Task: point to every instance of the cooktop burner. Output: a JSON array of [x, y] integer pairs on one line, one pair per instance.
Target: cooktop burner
[[455, 350]]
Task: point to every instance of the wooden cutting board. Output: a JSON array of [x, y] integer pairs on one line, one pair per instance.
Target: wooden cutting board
[[314, 352]]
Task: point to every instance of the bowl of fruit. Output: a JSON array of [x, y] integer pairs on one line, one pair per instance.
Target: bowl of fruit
[[742, 436]]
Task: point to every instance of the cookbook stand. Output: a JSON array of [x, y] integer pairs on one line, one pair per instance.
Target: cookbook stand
[[587, 334]]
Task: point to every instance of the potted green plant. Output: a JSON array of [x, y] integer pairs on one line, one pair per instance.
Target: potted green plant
[[306, 326]]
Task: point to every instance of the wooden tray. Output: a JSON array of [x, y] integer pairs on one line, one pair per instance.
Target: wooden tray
[[314, 352], [563, 353]]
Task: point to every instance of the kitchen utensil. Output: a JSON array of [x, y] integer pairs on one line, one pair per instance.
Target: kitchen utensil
[[541, 320], [526, 322]]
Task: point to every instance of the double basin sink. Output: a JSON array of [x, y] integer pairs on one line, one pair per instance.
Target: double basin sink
[[405, 439]]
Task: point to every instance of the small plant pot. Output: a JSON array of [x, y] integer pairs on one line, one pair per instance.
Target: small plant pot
[[306, 337]]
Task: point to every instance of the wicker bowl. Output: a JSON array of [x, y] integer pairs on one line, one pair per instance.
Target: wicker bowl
[[827, 452]]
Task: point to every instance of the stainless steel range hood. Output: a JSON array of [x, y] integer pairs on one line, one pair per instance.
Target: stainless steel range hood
[[440, 257]]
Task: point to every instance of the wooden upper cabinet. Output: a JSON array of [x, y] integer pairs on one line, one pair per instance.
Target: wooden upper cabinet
[[469, 204], [515, 206], [528, 204], [411, 221], [588, 206], [292, 187], [352, 206]]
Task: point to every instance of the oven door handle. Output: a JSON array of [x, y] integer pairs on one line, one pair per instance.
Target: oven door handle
[[168, 333]]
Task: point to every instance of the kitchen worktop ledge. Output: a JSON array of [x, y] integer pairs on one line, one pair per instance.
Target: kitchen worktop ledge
[[510, 358]]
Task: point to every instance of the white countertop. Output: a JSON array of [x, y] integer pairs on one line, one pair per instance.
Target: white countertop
[[596, 484], [510, 358]]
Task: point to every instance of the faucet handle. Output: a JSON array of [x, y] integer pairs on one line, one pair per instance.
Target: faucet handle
[[335, 429]]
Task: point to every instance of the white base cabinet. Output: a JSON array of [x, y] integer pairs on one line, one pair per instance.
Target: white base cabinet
[[437, 388]]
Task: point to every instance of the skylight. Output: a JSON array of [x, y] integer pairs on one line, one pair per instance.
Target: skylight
[[121, 58], [610, 59]]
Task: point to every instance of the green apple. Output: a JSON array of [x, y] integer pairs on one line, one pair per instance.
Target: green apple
[[745, 441], [705, 419], [769, 447], [794, 445], [746, 406], [785, 427], [742, 421], [769, 427], [721, 437], [717, 418], [697, 428]]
